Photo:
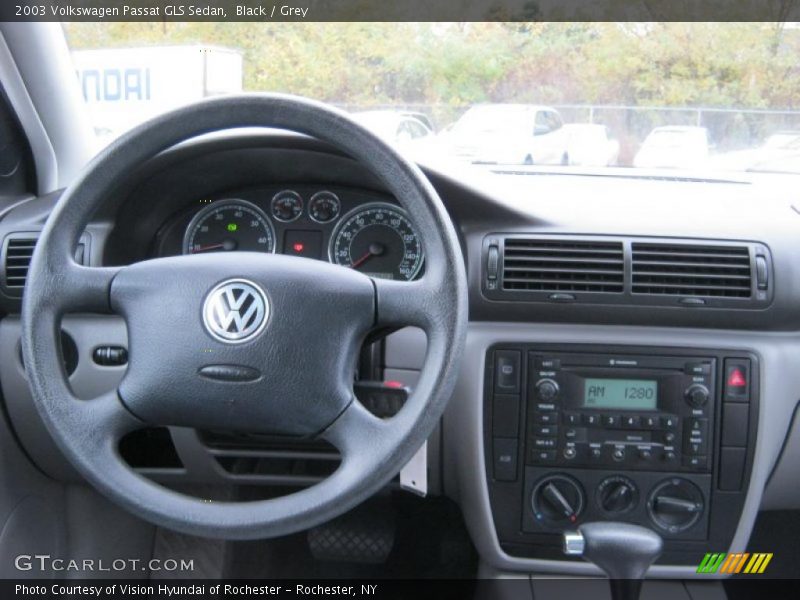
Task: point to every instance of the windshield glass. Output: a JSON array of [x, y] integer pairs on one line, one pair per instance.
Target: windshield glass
[[691, 96]]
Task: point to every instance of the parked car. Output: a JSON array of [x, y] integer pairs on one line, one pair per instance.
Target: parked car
[[510, 134], [398, 127], [674, 147], [591, 145], [778, 147]]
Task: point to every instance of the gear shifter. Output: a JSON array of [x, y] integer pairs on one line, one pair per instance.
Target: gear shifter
[[622, 550]]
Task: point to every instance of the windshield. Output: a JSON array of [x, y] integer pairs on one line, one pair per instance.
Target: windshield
[[567, 95]]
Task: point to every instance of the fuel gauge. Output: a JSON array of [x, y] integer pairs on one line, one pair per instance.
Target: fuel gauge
[[324, 207]]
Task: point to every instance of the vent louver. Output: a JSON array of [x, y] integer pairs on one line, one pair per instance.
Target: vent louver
[[18, 254], [551, 265], [691, 270]]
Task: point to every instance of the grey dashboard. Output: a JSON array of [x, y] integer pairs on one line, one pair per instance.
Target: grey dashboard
[[151, 211]]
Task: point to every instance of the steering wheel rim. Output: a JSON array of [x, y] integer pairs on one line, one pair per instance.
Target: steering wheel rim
[[373, 450]]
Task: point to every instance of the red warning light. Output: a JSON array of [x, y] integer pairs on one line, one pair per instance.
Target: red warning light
[[298, 246], [736, 378], [393, 384]]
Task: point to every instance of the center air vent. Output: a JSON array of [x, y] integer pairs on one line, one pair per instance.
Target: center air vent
[[691, 270], [553, 265]]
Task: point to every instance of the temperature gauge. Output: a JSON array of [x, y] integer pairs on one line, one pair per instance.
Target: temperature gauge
[[287, 206]]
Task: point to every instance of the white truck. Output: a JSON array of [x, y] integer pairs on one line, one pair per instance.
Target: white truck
[[125, 86]]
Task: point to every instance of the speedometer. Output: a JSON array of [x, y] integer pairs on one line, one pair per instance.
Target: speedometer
[[228, 225], [379, 240]]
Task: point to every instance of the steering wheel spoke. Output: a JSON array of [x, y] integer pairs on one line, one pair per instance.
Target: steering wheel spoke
[[355, 431], [406, 303], [86, 289], [105, 417]]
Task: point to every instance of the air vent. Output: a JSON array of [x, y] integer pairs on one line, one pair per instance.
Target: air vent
[[554, 265], [691, 270], [17, 259]]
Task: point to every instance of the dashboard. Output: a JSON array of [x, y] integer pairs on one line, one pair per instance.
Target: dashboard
[[604, 291]]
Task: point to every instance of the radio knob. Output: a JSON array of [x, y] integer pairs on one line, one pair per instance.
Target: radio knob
[[696, 395], [547, 390]]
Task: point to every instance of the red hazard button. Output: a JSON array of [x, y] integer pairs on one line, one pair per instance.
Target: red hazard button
[[737, 380]]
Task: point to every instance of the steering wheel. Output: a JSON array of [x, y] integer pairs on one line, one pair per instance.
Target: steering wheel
[[243, 341]]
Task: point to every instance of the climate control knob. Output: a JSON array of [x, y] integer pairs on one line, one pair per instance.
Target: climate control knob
[[675, 505], [617, 495], [696, 395], [557, 499], [547, 390]]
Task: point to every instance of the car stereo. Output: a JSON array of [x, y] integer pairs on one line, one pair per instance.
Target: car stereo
[[621, 411]]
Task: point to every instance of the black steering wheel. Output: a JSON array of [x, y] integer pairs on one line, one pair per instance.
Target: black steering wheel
[[243, 341]]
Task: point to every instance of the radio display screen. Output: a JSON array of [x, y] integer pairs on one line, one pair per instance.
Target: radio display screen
[[621, 394]]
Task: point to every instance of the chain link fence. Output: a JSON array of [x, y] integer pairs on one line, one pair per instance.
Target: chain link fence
[[729, 129]]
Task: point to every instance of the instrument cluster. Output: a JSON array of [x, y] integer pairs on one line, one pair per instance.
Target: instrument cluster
[[351, 228]]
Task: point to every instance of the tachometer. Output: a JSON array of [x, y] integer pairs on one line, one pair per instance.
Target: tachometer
[[228, 225], [379, 240]]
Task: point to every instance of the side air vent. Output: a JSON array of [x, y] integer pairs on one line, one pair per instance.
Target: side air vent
[[16, 259], [565, 266], [691, 270]]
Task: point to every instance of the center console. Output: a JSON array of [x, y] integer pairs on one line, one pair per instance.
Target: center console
[[659, 437]]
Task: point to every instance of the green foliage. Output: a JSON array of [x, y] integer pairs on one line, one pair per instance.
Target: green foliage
[[747, 65]]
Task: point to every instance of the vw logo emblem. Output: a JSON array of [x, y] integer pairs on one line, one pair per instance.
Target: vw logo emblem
[[235, 311]]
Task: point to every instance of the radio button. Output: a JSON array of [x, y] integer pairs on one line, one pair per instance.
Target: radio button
[[695, 462], [545, 431], [570, 452], [650, 422], [631, 421], [610, 421], [595, 453], [669, 437], [697, 427], [547, 364], [669, 456], [618, 454], [546, 390], [645, 454], [572, 418], [694, 447], [697, 368], [571, 433], [696, 395], [669, 422], [544, 443], [543, 455], [547, 418], [591, 419]]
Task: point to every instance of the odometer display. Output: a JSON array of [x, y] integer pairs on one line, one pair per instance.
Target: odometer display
[[379, 240], [228, 225]]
